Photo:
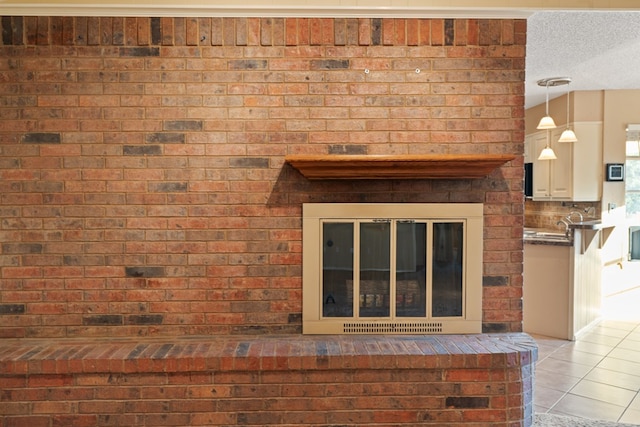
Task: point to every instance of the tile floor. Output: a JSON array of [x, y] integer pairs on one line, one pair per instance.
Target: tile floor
[[598, 375]]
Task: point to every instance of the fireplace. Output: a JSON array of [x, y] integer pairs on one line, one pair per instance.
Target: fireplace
[[392, 268]]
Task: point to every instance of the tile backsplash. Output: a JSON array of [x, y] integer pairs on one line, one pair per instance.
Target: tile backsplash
[[546, 214]]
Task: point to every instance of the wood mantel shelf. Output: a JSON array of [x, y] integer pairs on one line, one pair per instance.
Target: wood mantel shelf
[[425, 166]]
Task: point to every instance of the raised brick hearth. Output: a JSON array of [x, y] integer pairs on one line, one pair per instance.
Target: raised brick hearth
[[481, 380]]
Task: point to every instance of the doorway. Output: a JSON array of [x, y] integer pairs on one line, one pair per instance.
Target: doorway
[[632, 195], [621, 282]]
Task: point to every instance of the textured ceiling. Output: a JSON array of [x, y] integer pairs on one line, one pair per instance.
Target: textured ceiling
[[597, 50]]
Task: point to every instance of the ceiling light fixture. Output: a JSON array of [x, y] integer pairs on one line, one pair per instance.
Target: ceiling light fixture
[[547, 122]]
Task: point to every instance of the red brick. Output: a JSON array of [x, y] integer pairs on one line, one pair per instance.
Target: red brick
[[27, 421], [49, 381], [74, 420], [51, 407]]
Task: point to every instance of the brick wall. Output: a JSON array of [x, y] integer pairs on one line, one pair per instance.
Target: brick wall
[[142, 184]]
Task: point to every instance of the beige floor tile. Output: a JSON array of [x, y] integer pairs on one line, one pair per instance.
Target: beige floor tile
[[569, 354], [625, 354], [618, 324], [630, 416], [604, 393], [555, 381], [618, 379], [630, 344], [635, 405], [619, 365], [609, 331], [590, 347], [580, 406], [563, 367], [596, 338], [546, 397]]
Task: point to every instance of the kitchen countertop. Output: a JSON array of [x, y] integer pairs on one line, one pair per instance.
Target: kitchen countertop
[[538, 236], [547, 240], [594, 224]]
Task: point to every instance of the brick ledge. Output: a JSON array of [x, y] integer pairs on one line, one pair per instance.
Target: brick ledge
[[253, 353]]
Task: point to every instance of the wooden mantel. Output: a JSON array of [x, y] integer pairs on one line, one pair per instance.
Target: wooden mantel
[[421, 166]]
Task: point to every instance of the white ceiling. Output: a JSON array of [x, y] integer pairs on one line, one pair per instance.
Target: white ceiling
[[597, 50]]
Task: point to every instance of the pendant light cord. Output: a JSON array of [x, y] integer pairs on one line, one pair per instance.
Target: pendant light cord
[[547, 104], [567, 107]]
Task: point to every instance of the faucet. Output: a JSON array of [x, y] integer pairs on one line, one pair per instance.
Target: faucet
[[566, 222], [572, 213]]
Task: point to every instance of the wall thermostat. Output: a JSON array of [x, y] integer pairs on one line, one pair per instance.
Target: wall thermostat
[[615, 172]]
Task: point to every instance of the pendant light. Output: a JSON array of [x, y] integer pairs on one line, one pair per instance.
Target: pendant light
[[547, 121], [568, 135], [547, 153]]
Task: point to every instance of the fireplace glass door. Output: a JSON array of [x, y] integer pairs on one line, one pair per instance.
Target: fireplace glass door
[[397, 268]]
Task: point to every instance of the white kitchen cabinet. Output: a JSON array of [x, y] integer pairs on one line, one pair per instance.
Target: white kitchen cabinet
[[576, 174]]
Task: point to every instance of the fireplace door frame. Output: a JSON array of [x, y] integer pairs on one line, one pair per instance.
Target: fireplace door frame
[[316, 320]]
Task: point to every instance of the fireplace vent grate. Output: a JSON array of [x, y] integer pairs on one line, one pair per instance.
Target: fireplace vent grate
[[390, 328]]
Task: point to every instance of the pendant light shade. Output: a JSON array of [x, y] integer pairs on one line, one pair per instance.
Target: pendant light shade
[[568, 136], [547, 154], [547, 123]]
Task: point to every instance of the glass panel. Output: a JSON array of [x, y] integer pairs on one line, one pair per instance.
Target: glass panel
[[374, 269], [447, 269], [411, 256], [633, 148], [337, 269], [632, 188], [634, 243]]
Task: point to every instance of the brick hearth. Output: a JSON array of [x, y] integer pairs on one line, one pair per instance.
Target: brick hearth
[[288, 380]]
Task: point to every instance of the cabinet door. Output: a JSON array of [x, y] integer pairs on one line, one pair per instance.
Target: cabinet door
[[528, 148], [562, 168], [540, 167], [587, 162]]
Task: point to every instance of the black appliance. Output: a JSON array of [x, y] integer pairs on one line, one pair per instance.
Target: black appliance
[[528, 180]]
